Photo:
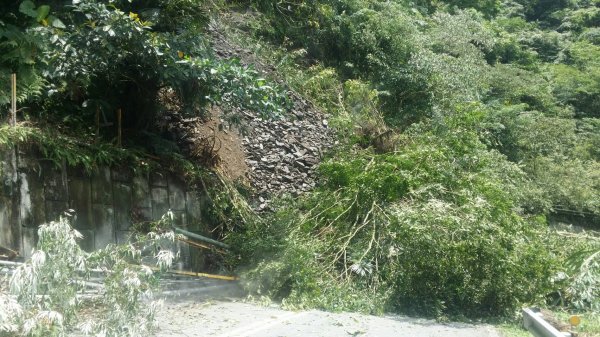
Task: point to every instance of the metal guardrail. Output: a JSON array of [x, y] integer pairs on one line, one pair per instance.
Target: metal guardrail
[[534, 323], [201, 238]]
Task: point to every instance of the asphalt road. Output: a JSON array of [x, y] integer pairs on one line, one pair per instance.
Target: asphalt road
[[193, 317]]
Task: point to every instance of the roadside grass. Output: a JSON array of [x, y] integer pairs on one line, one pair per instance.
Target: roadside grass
[[512, 330], [590, 323], [589, 327]]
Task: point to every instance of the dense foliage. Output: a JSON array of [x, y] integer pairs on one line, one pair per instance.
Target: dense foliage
[[429, 229], [470, 126], [536, 82], [76, 60]]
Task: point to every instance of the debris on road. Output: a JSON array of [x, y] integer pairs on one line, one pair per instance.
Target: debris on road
[[236, 319]]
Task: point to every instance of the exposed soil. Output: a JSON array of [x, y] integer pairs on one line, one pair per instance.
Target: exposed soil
[[271, 156], [281, 154], [226, 145]]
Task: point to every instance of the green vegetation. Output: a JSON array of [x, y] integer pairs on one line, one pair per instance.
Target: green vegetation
[[534, 83], [46, 294], [78, 64], [590, 323], [466, 129], [74, 151], [512, 330]]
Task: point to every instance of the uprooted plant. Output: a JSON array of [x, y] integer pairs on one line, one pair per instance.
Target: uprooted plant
[[48, 294], [431, 229]]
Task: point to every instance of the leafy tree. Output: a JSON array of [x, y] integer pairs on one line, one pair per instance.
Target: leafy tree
[[489, 7], [542, 9], [22, 25], [43, 299], [577, 88], [105, 58]]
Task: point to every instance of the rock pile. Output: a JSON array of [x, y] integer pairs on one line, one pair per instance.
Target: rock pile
[[281, 154]]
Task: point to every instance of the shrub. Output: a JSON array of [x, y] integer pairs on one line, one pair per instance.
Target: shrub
[[45, 299], [467, 260], [430, 228]]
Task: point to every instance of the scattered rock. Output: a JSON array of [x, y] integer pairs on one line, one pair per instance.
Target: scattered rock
[[282, 154], [275, 156]]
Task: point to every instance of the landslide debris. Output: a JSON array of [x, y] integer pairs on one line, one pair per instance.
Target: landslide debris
[[272, 156], [281, 154]]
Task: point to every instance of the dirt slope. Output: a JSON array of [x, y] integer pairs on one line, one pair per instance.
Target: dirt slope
[[281, 154], [270, 156]]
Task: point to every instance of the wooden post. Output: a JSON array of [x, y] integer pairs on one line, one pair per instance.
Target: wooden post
[[119, 127], [97, 124], [13, 106]]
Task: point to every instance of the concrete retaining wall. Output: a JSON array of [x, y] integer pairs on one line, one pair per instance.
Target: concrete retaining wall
[[107, 202]]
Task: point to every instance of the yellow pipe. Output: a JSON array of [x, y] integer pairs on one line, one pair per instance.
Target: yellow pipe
[[199, 245], [191, 273]]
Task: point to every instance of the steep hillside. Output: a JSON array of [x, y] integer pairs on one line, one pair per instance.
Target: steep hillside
[[460, 145], [273, 156], [362, 155], [283, 153]]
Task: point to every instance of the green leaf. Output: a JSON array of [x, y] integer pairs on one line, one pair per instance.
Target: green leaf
[[56, 23], [42, 12], [28, 8]]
